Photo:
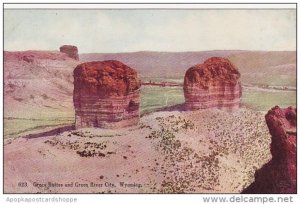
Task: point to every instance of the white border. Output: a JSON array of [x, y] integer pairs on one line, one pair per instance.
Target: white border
[[149, 6]]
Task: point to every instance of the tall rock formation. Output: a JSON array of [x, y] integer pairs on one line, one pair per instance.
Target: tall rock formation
[[70, 50], [106, 95], [279, 174], [215, 83]]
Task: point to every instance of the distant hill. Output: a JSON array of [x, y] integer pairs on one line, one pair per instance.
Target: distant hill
[[159, 64], [256, 67], [267, 68]]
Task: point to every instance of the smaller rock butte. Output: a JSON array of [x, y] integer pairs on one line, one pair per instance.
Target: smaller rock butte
[[70, 50], [106, 95], [279, 174], [215, 83]]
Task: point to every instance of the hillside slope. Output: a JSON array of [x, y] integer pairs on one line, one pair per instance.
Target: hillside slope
[[168, 152], [37, 85]]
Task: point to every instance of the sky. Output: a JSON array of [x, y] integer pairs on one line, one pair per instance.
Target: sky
[[113, 31]]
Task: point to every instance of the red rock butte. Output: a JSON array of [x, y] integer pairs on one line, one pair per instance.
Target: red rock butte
[[213, 84], [106, 95], [70, 50], [279, 174]]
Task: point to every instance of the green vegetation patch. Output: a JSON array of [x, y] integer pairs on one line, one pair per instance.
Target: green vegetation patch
[[264, 101], [13, 127], [153, 97]]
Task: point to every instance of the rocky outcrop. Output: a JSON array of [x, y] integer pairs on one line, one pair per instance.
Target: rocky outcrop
[[279, 174], [215, 83], [106, 95], [70, 50]]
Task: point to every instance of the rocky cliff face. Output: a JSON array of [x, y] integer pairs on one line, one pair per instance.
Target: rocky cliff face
[[70, 50], [106, 95], [215, 83], [279, 175]]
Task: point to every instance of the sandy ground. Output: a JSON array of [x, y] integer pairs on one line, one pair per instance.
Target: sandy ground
[[206, 151]]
